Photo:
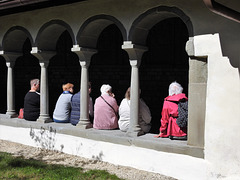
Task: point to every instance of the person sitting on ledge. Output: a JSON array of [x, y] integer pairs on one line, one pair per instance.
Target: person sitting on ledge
[[124, 113], [32, 101], [105, 109], [75, 113], [62, 109], [169, 127]]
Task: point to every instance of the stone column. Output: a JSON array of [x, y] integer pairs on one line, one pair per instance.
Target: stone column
[[135, 53], [84, 55], [10, 91], [10, 62], [44, 99], [44, 58]]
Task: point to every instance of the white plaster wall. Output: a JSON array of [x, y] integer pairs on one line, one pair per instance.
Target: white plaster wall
[[169, 164], [222, 110]]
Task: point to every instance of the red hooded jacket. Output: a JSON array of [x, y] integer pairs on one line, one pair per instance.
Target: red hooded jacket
[[169, 126]]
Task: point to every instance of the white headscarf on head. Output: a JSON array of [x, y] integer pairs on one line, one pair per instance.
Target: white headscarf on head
[[105, 88]]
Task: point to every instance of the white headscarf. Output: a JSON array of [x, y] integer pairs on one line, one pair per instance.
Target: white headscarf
[[105, 88]]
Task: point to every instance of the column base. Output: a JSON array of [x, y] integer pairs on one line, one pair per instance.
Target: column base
[[44, 119], [11, 114], [84, 124], [135, 133]]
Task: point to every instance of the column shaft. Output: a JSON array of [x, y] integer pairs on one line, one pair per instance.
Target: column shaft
[[134, 129], [84, 121], [44, 101], [10, 91]]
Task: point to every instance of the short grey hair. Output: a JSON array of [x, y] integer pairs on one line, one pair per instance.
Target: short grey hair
[[175, 88], [105, 88], [34, 81]]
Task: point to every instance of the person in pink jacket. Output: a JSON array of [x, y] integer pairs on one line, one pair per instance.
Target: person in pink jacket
[[169, 127], [105, 110]]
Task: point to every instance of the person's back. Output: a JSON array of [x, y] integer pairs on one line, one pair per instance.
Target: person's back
[[105, 110], [75, 113], [144, 116], [75, 102], [32, 102], [62, 109], [124, 113], [31, 106], [169, 127], [104, 116]]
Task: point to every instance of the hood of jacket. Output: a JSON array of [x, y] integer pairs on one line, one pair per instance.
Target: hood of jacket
[[177, 97]]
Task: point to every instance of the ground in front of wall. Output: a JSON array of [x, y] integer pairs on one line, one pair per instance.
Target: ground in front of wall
[[53, 157]]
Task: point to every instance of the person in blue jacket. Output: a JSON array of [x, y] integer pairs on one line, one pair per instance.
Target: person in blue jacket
[[75, 113]]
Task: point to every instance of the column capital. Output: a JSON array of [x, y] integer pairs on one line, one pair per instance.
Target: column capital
[[44, 64], [134, 51], [10, 57], [10, 64], [84, 54], [43, 56], [135, 63], [85, 63]]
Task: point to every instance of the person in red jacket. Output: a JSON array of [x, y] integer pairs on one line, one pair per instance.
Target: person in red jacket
[[169, 127]]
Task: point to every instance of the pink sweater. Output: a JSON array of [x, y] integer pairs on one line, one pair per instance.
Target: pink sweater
[[104, 116]]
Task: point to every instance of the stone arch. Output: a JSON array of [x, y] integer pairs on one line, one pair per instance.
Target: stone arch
[[141, 26], [110, 65], [63, 68], [26, 67], [49, 34], [15, 38], [165, 31], [92, 28], [165, 61]]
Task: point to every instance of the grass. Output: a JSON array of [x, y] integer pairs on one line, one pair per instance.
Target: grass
[[18, 168]]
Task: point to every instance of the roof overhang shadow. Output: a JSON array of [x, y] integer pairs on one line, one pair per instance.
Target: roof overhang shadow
[[49, 34], [91, 29], [14, 39], [141, 26]]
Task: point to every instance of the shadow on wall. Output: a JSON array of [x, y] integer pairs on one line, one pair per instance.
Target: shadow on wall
[[45, 139], [98, 157]]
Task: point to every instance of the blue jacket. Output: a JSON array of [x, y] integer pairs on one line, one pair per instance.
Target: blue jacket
[[75, 113]]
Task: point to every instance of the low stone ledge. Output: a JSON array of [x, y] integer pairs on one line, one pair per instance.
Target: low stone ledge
[[112, 136]]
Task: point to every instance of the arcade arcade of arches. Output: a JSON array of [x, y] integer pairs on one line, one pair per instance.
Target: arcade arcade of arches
[[163, 59]]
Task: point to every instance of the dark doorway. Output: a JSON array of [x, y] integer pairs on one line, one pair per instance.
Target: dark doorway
[[165, 61], [26, 68], [110, 65], [3, 84], [63, 68]]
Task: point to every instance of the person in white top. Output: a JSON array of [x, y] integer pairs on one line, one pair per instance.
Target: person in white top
[[124, 113]]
